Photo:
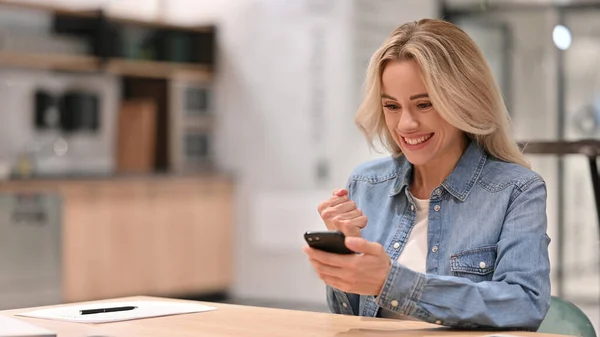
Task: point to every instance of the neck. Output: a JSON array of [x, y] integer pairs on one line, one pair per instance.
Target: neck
[[429, 176]]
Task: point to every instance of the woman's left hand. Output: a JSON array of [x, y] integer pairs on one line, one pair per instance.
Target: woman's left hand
[[362, 274]]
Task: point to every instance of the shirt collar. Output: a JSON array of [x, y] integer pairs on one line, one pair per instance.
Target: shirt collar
[[460, 181]]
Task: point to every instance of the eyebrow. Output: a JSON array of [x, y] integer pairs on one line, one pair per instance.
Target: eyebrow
[[384, 95], [423, 95]]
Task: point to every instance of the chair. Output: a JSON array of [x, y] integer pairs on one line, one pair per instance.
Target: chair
[[565, 318]]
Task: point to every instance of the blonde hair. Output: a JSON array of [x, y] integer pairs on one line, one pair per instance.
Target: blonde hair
[[459, 82]]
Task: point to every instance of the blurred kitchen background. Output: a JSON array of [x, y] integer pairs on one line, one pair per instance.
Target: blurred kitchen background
[[180, 148]]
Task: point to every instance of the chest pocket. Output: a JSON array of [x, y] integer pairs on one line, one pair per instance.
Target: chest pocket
[[475, 264]]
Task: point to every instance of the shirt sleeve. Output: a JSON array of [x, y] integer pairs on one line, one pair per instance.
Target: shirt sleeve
[[340, 302]]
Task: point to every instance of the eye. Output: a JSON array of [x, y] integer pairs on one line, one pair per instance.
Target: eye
[[391, 106], [425, 106]]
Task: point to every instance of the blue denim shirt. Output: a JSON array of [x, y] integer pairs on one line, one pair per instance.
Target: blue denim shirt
[[487, 262]]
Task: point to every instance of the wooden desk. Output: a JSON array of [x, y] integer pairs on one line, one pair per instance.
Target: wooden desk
[[237, 321]]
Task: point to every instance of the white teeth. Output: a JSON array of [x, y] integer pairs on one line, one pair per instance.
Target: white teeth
[[415, 141]]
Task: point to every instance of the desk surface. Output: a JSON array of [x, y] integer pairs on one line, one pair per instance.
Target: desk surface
[[237, 321]]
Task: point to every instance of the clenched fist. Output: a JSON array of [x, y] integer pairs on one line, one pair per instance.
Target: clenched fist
[[340, 213]]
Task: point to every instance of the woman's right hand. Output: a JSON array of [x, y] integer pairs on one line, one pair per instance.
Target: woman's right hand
[[340, 213]]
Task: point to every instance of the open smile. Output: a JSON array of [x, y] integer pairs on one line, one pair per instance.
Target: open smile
[[416, 142]]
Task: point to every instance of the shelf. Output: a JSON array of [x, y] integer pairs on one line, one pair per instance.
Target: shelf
[[94, 13], [156, 69], [148, 69], [159, 24], [49, 8], [49, 61], [199, 123], [587, 147], [203, 37]]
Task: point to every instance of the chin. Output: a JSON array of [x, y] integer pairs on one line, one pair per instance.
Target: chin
[[417, 159], [420, 157]]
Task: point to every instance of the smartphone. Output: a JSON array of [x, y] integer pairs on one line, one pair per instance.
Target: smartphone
[[329, 241]]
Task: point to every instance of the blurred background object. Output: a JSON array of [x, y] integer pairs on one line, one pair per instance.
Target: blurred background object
[[189, 142], [136, 139]]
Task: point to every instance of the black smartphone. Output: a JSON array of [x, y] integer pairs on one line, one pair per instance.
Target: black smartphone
[[329, 241]]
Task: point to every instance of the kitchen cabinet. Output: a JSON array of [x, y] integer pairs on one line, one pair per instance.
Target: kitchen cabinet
[[30, 259], [165, 236]]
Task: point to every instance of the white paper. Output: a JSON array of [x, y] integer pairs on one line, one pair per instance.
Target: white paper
[[144, 309], [12, 327]]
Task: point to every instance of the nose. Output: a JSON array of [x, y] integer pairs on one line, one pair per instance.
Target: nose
[[407, 122]]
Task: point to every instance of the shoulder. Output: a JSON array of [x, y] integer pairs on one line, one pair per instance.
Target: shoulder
[[498, 175], [380, 170]]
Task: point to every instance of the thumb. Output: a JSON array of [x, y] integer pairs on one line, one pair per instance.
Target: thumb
[[361, 245], [340, 193]]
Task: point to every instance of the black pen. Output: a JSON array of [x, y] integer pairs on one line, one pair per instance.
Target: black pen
[[113, 309]]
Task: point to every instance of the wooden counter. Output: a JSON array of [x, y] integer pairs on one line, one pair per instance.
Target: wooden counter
[[161, 235]]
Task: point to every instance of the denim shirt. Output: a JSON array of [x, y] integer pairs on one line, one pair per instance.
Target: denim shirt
[[487, 262]]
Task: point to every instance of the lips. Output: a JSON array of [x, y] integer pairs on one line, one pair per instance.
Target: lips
[[417, 140]]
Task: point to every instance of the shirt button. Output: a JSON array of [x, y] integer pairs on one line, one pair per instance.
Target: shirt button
[[344, 305], [438, 192], [434, 249], [482, 265], [412, 207], [438, 322], [437, 208], [394, 303], [396, 245]]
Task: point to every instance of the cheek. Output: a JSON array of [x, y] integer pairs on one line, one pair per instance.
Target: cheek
[[452, 135], [391, 124], [442, 126]]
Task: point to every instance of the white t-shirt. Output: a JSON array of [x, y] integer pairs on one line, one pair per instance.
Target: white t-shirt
[[414, 254]]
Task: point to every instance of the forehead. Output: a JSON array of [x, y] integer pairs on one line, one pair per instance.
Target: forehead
[[402, 78]]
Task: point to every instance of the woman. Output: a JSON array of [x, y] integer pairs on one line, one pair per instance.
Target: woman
[[451, 229]]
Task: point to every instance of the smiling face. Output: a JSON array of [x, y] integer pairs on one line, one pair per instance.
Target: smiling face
[[421, 133]]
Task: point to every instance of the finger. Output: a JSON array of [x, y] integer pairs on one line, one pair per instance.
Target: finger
[[349, 215], [351, 227], [352, 231], [330, 212], [340, 192], [361, 245], [326, 270], [324, 205], [359, 222], [331, 202], [334, 282], [321, 268], [330, 259], [344, 207], [334, 201]]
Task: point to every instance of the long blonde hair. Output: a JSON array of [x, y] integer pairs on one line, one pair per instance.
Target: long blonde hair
[[459, 82]]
